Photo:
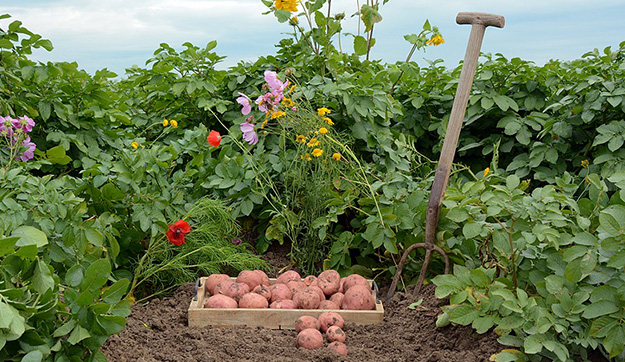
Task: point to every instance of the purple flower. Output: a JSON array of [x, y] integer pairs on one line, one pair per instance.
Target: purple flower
[[236, 241], [30, 150], [245, 102], [249, 134], [274, 83], [25, 123]]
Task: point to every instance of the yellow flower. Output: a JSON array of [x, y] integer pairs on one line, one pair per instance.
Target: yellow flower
[[300, 138], [288, 5], [317, 152], [486, 171], [328, 121], [277, 114], [262, 125], [174, 123], [322, 111], [293, 21], [307, 157], [323, 130], [587, 180], [288, 102], [585, 163], [336, 156], [165, 123], [313, 142], [292, 88], [134, 144], [436, 40]]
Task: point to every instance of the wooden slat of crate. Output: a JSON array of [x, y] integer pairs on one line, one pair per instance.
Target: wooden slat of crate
[[267, 317]]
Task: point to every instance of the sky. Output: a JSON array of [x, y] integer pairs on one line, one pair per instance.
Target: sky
[[116, 34]]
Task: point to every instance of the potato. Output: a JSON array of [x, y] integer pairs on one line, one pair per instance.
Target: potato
[[251, 278], [237, 290], [263, 290], [309, 279], [222, 286], [279, 292], [213, 279], [263, 276], [253, 300], [287, 276], [307, 299], [328, 304], [337, 298], [220, 301], [354, 279], [295, 286], [322, 296], [305, 322], [309, 339], [338, 347], [342, 285], [335, 334], [328, 319], [329, 281], [358, 297], [283, 304]]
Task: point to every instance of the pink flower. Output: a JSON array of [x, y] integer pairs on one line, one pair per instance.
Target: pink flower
[[30, 150], [24, 123], [273, 82], [249, 134], [245, 102]]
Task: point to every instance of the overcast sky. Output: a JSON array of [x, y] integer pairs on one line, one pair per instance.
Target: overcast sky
[[116, 34]]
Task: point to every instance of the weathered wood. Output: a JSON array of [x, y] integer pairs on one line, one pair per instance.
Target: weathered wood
[[267, 317], [479, 23]]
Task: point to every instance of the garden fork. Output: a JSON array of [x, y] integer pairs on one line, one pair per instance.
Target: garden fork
[[479, 22]]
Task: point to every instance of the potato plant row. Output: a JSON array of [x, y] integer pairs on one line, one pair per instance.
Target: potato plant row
[[252, 289]]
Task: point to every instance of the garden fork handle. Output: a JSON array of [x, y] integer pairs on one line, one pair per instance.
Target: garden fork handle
[[479, 23]]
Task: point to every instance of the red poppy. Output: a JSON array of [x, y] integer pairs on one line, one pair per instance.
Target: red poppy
[[214, 138], [176, 232]]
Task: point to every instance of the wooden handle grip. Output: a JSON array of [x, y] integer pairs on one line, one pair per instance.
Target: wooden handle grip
[[485, 19]]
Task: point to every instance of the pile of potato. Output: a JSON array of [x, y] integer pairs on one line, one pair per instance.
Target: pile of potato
[[309, 332], [253, 290]]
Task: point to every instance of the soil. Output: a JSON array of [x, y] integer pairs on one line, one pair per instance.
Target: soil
[[158, 331]]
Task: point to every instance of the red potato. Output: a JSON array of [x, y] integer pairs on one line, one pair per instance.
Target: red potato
[[305, 322], [283, 304], [358, 297], [307, 299], [342, 285], [263, 290], [328, 304], [213, 280], [222, 286], [251, 278], [309, 339], [329, 281], [322, 296], [253, 300], [237, 290], [279, 292], [354, 279], [309, 280], [338, 347], [287, 276], [295, 286], [335, 334], [337, 298], [328, 319], [220, 301], [263, 276]]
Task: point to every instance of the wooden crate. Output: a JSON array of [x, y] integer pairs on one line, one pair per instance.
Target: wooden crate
[[266, 317]]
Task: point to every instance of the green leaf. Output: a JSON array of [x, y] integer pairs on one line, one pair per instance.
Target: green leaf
[[360, 45], [42, 278], [463, 314], [7, 245], [116, 291], [6, 315], [78, 334], [369, 16], [94, 237], [415, 304], [600, 308], [57, 155], [471, 229], [30, 236], [512, 182], [614, 341], [458, 214], [442, 320], [479, 278], [483, 324], [96, 275], [33, 356], [533, 344], [600, 326], [65, 328]]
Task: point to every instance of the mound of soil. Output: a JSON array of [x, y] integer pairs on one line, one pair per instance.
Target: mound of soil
[[158, 331]]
